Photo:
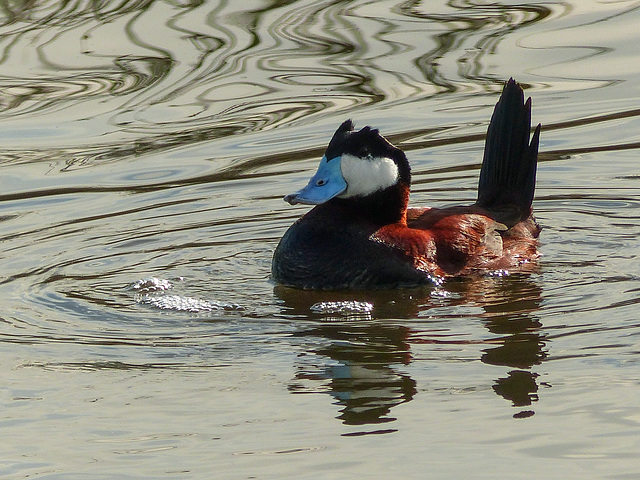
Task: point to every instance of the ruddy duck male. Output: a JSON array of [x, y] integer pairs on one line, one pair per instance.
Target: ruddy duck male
[[361, 234]]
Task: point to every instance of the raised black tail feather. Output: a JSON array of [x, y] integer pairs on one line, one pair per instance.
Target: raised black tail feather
[[508, 174]]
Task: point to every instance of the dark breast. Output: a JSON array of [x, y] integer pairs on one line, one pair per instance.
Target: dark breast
[[330, 249]]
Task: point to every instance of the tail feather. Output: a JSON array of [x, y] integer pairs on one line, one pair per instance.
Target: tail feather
[[508, 173]]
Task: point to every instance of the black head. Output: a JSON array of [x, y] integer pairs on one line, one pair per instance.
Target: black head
[[367, 144]]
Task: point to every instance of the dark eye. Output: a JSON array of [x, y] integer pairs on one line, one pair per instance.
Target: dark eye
[[320, 182], [364, 152]]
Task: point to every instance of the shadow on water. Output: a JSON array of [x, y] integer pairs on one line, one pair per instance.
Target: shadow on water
[[362, 360]]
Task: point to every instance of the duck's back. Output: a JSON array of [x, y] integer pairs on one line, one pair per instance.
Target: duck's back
[[471, 240]]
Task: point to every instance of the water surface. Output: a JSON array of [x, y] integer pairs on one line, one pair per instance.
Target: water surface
[[146, 148]]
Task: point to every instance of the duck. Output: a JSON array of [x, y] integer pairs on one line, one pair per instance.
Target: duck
[[361, 234]]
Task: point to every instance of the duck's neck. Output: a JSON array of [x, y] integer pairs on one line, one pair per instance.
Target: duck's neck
[[382, 208]]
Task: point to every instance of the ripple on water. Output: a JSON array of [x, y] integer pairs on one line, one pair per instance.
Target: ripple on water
[[139, 139]]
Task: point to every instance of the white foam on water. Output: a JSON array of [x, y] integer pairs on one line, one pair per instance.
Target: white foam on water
[[150, 291], [346, 308], [151, 284], [178, 303]]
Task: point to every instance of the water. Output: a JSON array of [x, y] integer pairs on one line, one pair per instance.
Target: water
[[146, 148]]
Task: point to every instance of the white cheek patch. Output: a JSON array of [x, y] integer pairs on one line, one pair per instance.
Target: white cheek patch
[[365, 176]]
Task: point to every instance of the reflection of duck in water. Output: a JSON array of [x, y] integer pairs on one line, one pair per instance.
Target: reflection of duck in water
[[363, 375], [521, 345], [362, 235], [364, 363]]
